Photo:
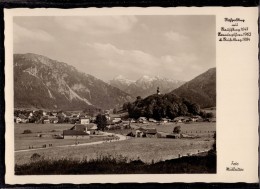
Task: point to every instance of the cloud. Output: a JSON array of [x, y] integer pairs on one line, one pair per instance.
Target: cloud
[[21, 33], [135, 63], [174, 36], [179, 64], [111, 52], [98, 25]]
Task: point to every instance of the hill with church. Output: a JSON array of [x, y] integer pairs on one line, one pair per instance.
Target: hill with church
[[186, 100], [160, 106]]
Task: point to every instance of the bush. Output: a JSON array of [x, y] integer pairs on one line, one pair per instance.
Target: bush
[[35, 157], [27, 131], [177, 129]]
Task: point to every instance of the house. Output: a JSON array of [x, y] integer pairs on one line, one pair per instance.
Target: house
[[74, 120], [140, 132], [108, 117], [74, 134], [78, 131], [91, 129], [31, 117], [116, 120], [145, 132], [18, 120], [74, 115], [133, 121], [181, 119], [151, 132], [83, 115], [22, 119], [46, 121], [152, 120], [164, 120], [142, 119], [84, 120], [53, 119], [79, 127], [54, 113], [196, 118]]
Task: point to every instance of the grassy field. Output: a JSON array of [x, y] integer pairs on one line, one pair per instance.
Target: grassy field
[[23, 141], [202, 129], [145, 149]]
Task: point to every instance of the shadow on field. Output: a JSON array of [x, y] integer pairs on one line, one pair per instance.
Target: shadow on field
[[203, 163]]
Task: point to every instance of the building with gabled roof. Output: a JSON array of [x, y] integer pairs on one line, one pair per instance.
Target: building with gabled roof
[[78, 131]]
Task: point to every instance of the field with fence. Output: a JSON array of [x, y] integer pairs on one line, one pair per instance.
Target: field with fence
[[27, 136], [147, 150]]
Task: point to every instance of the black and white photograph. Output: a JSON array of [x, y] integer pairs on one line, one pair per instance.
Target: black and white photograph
[[114, 94], [131, 95]]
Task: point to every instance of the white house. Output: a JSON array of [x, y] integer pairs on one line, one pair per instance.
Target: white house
[[84, 121], [116, 120], [142, 119]]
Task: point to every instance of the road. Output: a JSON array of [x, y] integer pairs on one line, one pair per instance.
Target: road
[[120, 138]]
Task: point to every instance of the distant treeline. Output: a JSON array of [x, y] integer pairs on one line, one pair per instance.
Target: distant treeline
[[163, 106]]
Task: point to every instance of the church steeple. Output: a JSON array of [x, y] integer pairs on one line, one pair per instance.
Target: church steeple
[[158, 91]]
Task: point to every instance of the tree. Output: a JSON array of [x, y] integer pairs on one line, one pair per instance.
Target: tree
[[61, 119], [138, 98], [149, 111], [157, 113], [114, 111], [209, 115], [177, 129], [204, 114], [195, 109], [101, 122], [214, 144]]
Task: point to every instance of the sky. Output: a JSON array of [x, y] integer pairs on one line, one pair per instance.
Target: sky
[[174, 47]]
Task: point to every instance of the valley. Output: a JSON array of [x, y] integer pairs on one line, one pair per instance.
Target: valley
[[64, 114]]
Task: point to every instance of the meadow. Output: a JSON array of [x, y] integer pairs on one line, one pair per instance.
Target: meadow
[[146, 150], [202, 129], [24, 141]]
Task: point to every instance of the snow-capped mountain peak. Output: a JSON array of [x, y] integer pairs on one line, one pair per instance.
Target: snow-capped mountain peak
[[146, 78], [145, 85], [122, 80]]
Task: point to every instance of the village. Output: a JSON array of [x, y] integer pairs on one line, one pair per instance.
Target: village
[[80, 128]]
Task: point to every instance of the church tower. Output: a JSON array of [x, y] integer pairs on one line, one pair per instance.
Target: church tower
[[158, 91]]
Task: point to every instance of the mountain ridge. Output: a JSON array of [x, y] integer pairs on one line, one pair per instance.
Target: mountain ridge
[[46, 83], [201, 89], [145, 85]]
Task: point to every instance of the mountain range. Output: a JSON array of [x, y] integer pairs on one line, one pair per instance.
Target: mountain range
[[43, 83], [40, 82], [201, 89], [145, 86]]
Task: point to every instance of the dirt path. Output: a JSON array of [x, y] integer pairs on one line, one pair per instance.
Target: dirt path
[[120, 138]]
